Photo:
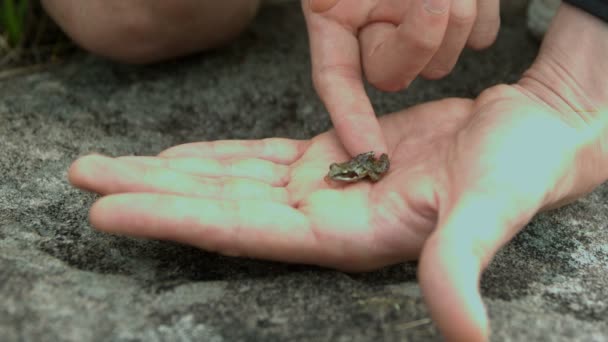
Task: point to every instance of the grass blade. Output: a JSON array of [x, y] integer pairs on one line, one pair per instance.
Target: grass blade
[[13, 19]]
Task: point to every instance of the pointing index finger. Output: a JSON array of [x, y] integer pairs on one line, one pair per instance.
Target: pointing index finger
[[336, 72], [319, 6]]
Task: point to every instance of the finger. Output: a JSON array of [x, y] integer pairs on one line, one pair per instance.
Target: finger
[[336, 73], [110, 176], [394, 56], [487, 24], [277, 150], [455, 254], [251, 228], [460, 24], [319, 6], [250, 168]]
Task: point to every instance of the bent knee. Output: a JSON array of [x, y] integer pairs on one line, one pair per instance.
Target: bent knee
[[148, 31]]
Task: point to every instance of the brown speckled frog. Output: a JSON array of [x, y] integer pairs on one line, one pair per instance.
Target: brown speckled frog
[[361, 166]]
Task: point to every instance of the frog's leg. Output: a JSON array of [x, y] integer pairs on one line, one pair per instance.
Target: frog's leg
[[374, 176], [382, 164]]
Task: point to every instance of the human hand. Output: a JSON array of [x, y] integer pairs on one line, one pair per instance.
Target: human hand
[[465, 177], [393, 41]]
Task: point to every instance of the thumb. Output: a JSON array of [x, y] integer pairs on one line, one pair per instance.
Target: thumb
[[453, 257], [319, 6]]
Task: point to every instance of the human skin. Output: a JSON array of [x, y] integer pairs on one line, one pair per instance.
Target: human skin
[[144, 31], [466, 176], [392, 42]]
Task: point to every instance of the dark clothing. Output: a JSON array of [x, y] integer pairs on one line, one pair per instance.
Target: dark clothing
[[598, 8]]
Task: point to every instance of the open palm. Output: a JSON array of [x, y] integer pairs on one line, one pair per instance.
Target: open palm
[[268, 198], [465, 177]]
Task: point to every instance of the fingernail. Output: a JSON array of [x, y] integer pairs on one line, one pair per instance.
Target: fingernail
[[436, 6]]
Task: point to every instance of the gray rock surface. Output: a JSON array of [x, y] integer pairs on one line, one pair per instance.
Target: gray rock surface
[[62, 281]]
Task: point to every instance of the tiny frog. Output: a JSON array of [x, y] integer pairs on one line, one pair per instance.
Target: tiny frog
[[361, 166]]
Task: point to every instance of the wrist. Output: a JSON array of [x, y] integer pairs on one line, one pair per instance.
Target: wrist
[[569, 75], [569, 72]]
